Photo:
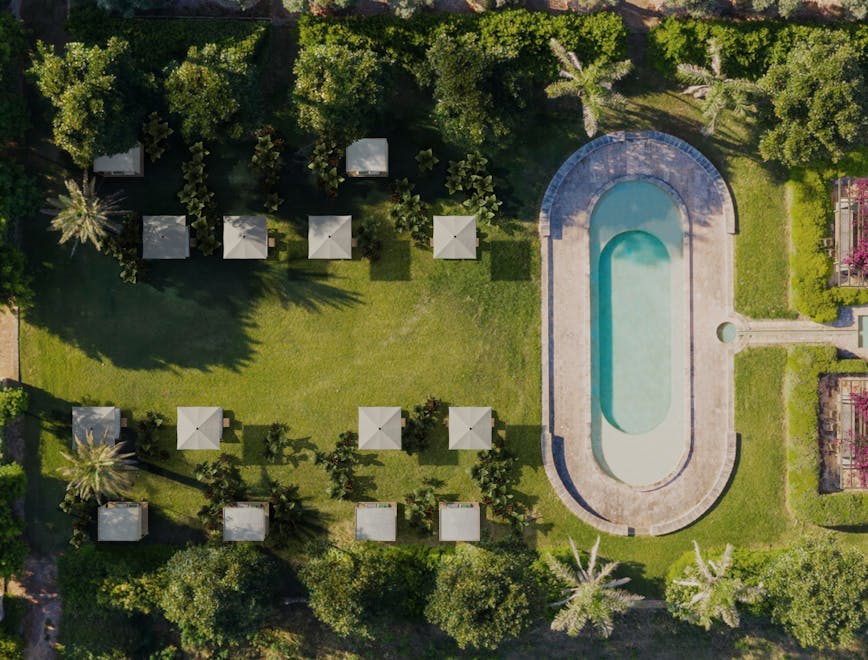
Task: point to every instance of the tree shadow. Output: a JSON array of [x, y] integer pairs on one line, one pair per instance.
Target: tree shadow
[[394, 262], [510, 261], [253, 438]]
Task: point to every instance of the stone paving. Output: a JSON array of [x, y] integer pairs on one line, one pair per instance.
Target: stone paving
[[708, 222]]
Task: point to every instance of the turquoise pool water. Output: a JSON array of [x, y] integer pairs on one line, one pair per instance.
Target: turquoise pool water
[[638, 294]]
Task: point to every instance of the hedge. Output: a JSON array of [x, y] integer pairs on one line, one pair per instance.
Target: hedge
[[811, 217], [805, 364], [749, 47]]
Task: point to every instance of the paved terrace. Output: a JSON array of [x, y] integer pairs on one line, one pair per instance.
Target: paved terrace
[[710, 444]]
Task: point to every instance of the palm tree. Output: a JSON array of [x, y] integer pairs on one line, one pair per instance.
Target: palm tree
[[592, 598], [709, 592], [97, 470], [718, 92], [591, 84], [82, 215]]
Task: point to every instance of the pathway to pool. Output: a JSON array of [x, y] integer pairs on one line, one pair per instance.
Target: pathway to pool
[[704, 444]]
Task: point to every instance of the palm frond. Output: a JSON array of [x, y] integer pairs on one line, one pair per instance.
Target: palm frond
[[692, 74]]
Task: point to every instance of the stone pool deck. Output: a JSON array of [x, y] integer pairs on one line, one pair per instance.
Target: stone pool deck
[[710, 440]]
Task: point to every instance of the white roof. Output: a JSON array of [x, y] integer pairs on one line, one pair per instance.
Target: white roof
[[200, 427], [246, 521], [379, 427], [165, 237], [245, 237], [459, 521], [129, 163], [103, 421], [121, 521], [368, 157], [455, 237], [330, 237], [376, 521], [469, 428]]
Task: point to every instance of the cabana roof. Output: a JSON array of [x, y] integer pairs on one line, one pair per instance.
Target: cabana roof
[[245, 237], [128, 163], [459, 521], [455, 237], [330, 237], [165, 237], [368, 157], [103, 421], [379, 427], [376, 521], [122, 521], [850, 204], [245, 521]]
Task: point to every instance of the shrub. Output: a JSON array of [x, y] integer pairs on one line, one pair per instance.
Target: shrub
[[494, 473], [471, 177], [267, 161], [276, 440], [13, 109], [83, 515], [324, 161], [199, 200], [340, 464], [155, 132], [124, 246], [370, 237], [318, 7], [416, 435], [223, 486], [426, 160], [290, 519], [421, 508], [410, 214], [13, 402], [409, 8], [146, 442]]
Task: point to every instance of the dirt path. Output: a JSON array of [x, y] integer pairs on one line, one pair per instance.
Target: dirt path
[[8, 344], [42, 620]]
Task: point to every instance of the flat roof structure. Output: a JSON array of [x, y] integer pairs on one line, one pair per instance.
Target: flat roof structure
[[368, 157], [245, 521], [455, 237], [245, 237], [103, 421], [469, 428], [122, 521], [376, 521], [200, 427], [128, 163], [330, 237], [165, 237], [459, 521], [379, 427]]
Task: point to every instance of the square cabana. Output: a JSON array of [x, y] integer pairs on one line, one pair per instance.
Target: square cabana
[[165, 237], [245, 521], [470, 428], [245, 237], [376, 521], [379, 427], [122, 521], [128, 163], [103, 421], [455, 237], [368, 157], [330, 237], [851, 446], [850, 202], [200, 427], [459, 521]]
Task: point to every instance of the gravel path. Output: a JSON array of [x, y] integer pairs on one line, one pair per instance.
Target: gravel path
[[42, 620]]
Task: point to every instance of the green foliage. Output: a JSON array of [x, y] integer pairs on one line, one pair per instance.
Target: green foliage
[[324, 160], [93, 91], [340, 464], [410, 214], [276, 440], [496, 476], [819, 592], [820, 103], [356, 591], [421, 509], [416, 435], [858, 9], [426, 160], [470, 176], [82, 511], [13, 484], [155, 132], [267, 161], [20, 196], [84, 216], [223, 486], [218, 596], [13, 402], [409, 8], [290, 518], [370, 237], [199, 200], [698, 8], [127, 8], [13, 109], [484, 596], [96, 470], [146, 441], [843, 509], [319, 7], [338, 90], [124, 246]]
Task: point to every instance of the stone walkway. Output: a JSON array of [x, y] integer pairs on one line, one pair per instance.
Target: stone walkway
[[843, 334], [8, 344]]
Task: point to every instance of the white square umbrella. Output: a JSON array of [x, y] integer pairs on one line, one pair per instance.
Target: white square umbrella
[[103, 421], [469, 428], [455, 237], [368, 157], [330, 237], [379, 427], [200, 427], [165, 237], [245, 237]]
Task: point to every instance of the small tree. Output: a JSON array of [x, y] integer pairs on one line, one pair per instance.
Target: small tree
[[426, 160], [199, 200], [416, 436], [290, 518], [590, 84], [155, 132], [84, 216], [706, 593], [483, 597], [421, 508], [223, 485], [13, 402], [324, 160], [97, 471], [592, 599], [13, 484], [340, 464]]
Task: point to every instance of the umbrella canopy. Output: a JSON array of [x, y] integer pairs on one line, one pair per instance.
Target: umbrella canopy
[[469, 428], [103, 421], [368, 157], [165, 237], [200, 427], [459, 521], [379, 428], [245, 237], [455, 237], [330, 237], [129, 163], [376, 521], [246, 521]]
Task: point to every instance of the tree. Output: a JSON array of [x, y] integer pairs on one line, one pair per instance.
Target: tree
[[204, 91], [13, 402], [13, 109], [217, 595], [819, 592], [83, 215], [13, 483], [819, 101], [592, 599], [338, 90], [93, 91], [96, 470], [591, 84], [718, 92], [706, 593], [484, 596]]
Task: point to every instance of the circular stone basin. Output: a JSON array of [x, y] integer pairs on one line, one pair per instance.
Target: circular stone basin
[[726, 332]]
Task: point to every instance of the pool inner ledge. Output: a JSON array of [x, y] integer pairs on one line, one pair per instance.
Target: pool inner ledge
[[709, 453]]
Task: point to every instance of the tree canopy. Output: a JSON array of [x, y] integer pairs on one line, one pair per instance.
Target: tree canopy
[[13, 110], [12, 548]]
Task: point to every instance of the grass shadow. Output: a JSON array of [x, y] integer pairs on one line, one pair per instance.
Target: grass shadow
[[393, 264], [511, 261]]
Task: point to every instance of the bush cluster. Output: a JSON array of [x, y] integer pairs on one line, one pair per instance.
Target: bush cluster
[[470, 176], [416, 436], [340, 465], [409, 213], [276, 440], [223, 486], [324, 161], [199, 200], [267, 161], [495, 475], [146, 441], [124, 246]]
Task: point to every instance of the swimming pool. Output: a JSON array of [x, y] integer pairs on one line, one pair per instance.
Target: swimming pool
[[637, 337]]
